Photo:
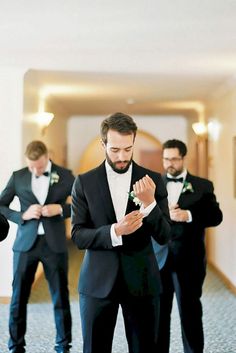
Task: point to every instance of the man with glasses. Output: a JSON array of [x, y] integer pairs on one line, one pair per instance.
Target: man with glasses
[[193, 207]]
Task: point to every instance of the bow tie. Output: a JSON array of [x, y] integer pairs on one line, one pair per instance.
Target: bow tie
[[45, 174], [176, 180]]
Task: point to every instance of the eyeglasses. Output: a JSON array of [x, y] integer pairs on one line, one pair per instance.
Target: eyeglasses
[[172, 160]]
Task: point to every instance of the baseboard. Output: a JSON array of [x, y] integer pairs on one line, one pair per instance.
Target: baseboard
[[223, 277]]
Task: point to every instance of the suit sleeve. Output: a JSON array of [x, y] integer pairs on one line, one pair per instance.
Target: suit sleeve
[[158, 222], [84, 235], [207, 211], [6, 198]]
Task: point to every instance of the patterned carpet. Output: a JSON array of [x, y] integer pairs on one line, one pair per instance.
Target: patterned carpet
[[219, 308]]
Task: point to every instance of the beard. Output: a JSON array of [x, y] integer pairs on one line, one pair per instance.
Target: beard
[[113, 165], [172, 171]]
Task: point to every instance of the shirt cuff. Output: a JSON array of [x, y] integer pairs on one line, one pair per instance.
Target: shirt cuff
[[190, 218], [145, 211], [115, 240]]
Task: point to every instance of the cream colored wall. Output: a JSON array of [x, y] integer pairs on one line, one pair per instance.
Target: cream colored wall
[[19, 101], [222, 239], [11, 113]]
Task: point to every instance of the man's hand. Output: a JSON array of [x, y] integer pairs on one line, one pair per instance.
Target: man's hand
[[177, 214], [51, 210], [129, 223], [144, 189], [33, 212]]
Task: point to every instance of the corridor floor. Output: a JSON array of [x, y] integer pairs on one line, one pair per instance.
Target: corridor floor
[[219, 316]]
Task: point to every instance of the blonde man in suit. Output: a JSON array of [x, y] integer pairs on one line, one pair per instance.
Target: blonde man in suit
[[42, 189]]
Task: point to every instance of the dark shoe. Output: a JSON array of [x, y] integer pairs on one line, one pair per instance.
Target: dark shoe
[[17, 350], [62, 350]]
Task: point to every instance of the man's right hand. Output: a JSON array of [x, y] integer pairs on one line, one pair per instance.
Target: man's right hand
[[33, 212], [129, 223]]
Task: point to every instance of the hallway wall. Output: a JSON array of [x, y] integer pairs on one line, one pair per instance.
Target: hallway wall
[[11, 108], [221, 169]]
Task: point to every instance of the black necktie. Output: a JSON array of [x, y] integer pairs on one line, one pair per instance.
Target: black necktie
[[176, 180], [45, 174]]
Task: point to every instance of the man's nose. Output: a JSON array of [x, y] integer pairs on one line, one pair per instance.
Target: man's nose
[[36, 171], [122, 155]]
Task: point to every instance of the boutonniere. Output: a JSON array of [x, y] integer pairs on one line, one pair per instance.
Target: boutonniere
[[133, 197], [187, 187], [54, 178]]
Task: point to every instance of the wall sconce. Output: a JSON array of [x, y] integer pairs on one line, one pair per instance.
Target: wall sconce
[[214, 128], [200, 128], [44, 119]]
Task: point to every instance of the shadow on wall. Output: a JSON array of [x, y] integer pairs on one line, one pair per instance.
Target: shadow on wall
[[147, 152]]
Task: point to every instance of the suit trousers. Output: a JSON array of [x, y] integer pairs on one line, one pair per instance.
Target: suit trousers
[[99, 315], [56, 268], [188, 290]]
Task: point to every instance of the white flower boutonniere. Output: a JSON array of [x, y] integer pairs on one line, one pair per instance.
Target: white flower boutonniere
[[54, 178], [133, 197], [187, 187]]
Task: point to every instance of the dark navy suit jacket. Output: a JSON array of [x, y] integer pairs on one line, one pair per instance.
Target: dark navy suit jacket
[[19, 185], [92, 217]]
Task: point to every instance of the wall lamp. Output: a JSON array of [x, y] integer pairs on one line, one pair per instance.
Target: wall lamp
[[44, 119], [200, 128]]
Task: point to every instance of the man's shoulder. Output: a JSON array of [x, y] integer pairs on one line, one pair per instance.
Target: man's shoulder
[[199, 180], [21, 172], [58, 168], [93, 173]]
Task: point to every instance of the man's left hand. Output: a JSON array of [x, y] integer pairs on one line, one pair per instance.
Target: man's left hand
[[51, 210], [178, 215], [144, 190]]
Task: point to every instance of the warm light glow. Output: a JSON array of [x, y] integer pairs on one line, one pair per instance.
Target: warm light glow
[[199, 128], [214, 128], [43, 119]]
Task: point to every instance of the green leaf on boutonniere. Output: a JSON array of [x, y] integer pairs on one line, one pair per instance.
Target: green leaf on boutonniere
[[133, 197], [54, 178], [187, 187]]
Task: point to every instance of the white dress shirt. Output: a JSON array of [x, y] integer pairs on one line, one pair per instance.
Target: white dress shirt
[[174, 190], [40, 186], [119, 185]]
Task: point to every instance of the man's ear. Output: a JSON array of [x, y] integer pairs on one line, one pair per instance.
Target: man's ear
[[103, 144]]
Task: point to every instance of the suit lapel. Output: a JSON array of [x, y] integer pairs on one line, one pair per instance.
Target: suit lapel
[[186, 195], [104, 191], [136, 175]]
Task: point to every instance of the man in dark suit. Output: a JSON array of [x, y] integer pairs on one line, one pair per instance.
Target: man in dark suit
[[4, 227], [193, 207], [119, 266], [42, 189]]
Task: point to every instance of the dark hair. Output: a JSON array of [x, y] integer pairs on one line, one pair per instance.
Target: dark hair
[[35, 150], [120, 122], [176, 144]]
